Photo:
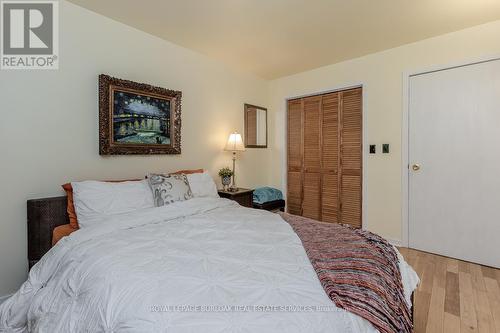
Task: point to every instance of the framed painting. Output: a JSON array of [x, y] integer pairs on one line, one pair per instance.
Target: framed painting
[[138, 119]]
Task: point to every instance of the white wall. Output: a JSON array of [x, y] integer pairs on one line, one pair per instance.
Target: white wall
[[381, 74], [49, 120]]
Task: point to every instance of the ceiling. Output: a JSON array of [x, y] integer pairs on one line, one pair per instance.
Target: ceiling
[[274, 38]]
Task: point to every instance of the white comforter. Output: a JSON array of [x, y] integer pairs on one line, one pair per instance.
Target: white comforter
[[154, 270]]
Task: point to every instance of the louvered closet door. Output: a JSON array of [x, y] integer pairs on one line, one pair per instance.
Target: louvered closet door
[[325, 157], [330, 158], [294, 153], [351, 160], [311, 202]]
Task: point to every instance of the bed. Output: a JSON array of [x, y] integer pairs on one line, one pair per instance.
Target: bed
[[201, 265]]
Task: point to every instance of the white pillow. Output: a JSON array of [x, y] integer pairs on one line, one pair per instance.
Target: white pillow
[[202, 185], [95, 199]]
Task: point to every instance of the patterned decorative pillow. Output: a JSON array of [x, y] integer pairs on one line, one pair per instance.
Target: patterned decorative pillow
[[169, 188]]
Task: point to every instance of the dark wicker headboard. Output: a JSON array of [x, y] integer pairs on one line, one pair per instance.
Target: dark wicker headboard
[[43, 216]]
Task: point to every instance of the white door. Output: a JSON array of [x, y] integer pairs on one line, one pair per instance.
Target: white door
[[454, 142]]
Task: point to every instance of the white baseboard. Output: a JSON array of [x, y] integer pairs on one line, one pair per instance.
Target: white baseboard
[[395, 242], [3, 298]]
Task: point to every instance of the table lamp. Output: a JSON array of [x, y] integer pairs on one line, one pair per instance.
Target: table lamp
[[234, 144]]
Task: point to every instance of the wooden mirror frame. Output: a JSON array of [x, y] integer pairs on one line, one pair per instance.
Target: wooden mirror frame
[[246, 109]]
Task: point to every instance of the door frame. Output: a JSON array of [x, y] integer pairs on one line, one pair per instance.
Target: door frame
[[405, 127], [364, 153]]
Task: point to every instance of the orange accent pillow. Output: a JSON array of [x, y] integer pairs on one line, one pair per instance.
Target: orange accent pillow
[[61, 231], [73, 221], [188, 172]]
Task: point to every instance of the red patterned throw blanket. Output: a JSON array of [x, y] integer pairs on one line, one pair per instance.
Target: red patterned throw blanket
[[358, 270]]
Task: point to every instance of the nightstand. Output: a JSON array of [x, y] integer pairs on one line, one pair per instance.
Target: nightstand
[[243, 196]]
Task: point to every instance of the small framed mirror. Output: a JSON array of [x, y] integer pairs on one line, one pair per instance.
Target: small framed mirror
[[255, 126]]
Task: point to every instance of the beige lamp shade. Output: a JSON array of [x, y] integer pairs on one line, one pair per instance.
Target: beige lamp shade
[[235, 142]]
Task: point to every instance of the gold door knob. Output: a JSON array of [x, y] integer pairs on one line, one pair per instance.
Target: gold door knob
[[415, 167]]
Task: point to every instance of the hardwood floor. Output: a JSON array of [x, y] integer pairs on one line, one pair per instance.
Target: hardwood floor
[[454, 296]]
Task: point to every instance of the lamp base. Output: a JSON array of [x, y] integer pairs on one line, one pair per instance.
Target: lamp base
[[233, 187]]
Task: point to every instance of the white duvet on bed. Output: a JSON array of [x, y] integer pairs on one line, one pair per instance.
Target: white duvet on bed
[[147, 271]]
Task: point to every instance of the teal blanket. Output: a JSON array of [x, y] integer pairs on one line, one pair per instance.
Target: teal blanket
[[266, 194]]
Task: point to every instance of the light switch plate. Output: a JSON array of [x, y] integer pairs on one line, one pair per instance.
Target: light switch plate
[[373, 149], [385, 148]]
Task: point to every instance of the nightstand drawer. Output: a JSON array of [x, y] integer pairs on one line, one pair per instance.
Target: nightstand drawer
[[243, 196]]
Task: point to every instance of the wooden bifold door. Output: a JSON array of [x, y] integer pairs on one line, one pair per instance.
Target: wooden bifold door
[[324, 151]]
